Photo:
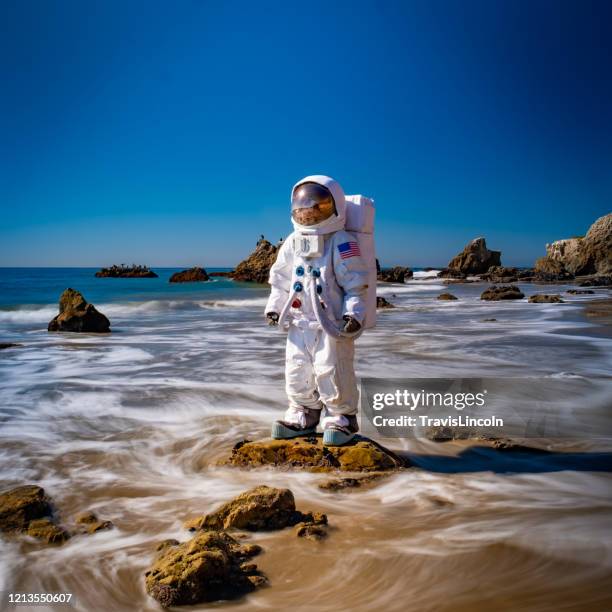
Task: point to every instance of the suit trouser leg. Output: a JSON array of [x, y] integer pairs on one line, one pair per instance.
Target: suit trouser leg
[[300, 382], [334, 371]]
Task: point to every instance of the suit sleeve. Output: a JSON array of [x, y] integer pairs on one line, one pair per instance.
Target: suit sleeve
[[280, 277], [352, 275]]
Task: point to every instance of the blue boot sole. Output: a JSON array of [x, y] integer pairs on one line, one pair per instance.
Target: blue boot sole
[[280, 432], [333, 437]]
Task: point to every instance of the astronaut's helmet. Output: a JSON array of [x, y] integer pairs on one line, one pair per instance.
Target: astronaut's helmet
[[312, 204]]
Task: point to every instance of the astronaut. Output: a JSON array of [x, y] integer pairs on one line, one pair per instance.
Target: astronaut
[[318, 286]]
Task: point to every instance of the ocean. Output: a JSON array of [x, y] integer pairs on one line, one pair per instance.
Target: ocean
[[132, 425]]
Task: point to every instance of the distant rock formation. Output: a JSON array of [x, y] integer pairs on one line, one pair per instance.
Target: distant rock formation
[[549, 269], [77, 315], [502, 292], [475, 258], [193, 275], [398, 274], [123, 271], [229, 274], [256, 267], [580, 256]]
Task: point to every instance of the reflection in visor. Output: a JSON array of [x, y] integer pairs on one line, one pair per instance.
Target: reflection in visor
[[311, 204]]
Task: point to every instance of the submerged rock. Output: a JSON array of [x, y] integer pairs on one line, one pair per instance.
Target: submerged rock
[[447, 296], [381, 302], [580, 291], [352, 482], [502, 292], [77, 315], [90, 523], [208, 567], [544, 298], [309, 453], [27, 509], [193, 275], [6, 345]]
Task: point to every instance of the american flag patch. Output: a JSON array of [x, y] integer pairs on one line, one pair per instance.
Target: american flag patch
[[349, 249]]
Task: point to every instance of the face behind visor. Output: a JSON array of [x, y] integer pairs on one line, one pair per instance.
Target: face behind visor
[[312, 204]]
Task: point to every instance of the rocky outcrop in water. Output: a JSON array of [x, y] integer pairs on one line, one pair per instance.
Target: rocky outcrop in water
[[28, 510], [502, 292], [381, 302], [475, 258], [6, 345], [256, 267], [398, 274], [544, 298], [209, 567], [580, 291], [213, 565], [309, 453], [579, 256], [123, 271], [261, 508], [77, 315], [193, 275], [447, 296], [88, 522]]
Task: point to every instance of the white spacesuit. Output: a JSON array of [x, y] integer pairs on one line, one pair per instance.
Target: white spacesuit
[[319, 283]]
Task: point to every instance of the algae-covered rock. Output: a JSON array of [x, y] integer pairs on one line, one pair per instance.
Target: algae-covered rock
[[46, 530], [352, 482], [90, 523], [259, 508], [26, 509], [208, 567], [309, 453]]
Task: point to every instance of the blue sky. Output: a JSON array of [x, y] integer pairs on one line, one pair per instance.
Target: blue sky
[[170, 133]]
